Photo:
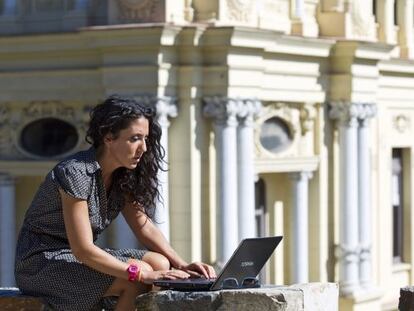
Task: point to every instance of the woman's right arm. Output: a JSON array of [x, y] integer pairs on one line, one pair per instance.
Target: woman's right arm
[[79, 234]]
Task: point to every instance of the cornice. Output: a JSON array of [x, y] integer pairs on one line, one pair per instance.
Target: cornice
[[363, 49], [268, 40], [399, 66]]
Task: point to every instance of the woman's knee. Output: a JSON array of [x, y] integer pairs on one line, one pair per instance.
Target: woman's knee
[[157, 261]]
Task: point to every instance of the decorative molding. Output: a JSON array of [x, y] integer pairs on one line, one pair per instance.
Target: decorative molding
[[249, 110], [307, 117], [166, 108], [239, 10], [222, 109], [401, 123], [13, 121], [348, 114], [137, 9]]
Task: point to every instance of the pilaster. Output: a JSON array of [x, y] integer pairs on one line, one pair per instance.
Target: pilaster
[[405, 28]]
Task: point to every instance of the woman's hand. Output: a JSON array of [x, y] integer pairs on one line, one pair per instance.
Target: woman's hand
[[200, 269], [148, 277]]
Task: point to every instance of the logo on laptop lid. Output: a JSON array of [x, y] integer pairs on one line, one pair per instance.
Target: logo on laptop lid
[[247, 264]]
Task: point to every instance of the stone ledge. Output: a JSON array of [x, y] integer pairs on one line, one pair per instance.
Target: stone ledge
[[298, 297], [11, 299]]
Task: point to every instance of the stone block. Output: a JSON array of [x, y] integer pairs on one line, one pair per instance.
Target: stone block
[[11, 299], [301, 297]]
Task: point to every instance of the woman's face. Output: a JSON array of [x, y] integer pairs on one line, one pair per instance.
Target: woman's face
[[128, 147]]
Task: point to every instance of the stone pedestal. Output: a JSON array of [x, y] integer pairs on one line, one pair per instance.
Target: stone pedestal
[[309, 297]]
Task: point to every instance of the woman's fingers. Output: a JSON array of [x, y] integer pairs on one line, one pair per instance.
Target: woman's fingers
[[175, 274]]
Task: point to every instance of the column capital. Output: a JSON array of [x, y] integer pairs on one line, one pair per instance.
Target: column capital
[[349, 113], [249, 109], [165, 107], [368, 111], [222, 109]]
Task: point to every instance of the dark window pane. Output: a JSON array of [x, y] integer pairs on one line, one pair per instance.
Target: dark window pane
[[48, 137], [397, 204]]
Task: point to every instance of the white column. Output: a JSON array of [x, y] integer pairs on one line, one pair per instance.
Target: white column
[[224, 112], [348, 249], [7, 230], [165, 108], [300, 227], [364, 182], [246, 175], [9, 7]]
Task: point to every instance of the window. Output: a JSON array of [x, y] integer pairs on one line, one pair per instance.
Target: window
[[275, 135], [397, 204], [374, 10], [48, 137]]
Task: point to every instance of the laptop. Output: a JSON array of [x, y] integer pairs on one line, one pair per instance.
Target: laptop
[[239, 272]]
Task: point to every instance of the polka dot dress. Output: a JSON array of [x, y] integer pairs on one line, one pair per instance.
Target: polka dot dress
[[45, 265]]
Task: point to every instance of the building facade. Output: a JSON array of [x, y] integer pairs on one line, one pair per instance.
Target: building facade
[[279, 117]]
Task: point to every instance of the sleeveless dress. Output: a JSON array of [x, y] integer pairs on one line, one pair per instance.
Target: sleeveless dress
[[45, 266]]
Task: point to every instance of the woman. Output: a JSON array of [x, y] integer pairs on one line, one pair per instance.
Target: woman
[[56, 256]]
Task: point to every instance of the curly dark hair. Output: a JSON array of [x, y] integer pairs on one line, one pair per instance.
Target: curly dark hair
[[139, 185]]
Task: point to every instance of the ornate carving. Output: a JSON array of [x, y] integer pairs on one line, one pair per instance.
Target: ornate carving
[[348, 113], [224, 110], [137, 9], [249, 109], [239, 10], [43, 109], [307, 117], [166, 107], [362, 26], [401, 123], [13, 121]]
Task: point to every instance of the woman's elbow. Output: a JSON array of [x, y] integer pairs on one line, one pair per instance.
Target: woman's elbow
[[82, 252]]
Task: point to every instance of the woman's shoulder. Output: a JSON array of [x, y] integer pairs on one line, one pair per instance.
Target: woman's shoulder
[[81, 162]]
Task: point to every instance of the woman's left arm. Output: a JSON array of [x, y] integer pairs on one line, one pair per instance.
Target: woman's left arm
[[148, 234]]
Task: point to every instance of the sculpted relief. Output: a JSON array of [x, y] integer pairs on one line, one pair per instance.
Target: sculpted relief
[[138, 10]]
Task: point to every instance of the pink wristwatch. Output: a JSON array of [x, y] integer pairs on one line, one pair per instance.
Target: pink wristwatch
[[133, 271]]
